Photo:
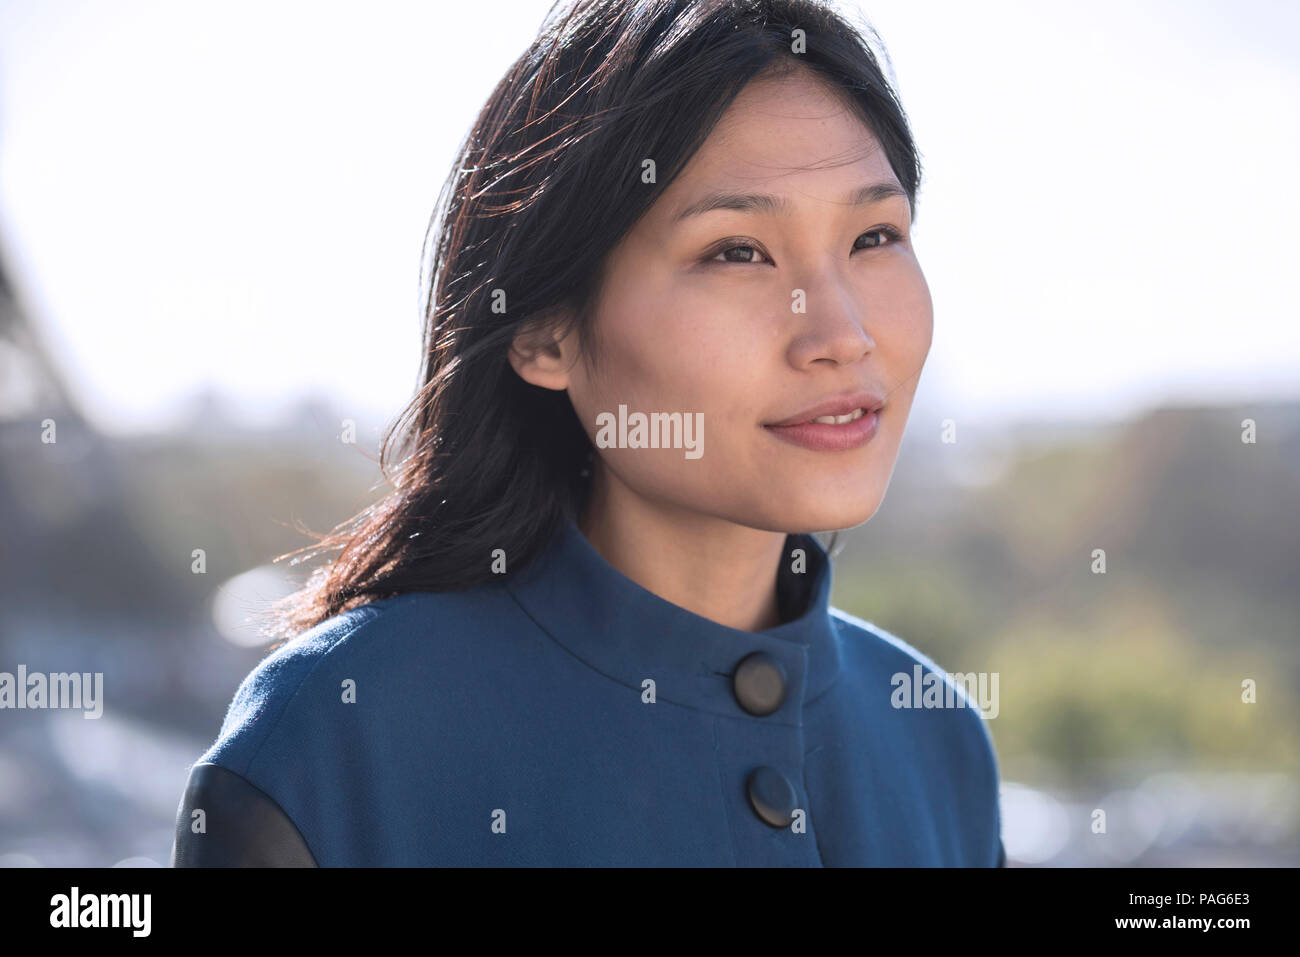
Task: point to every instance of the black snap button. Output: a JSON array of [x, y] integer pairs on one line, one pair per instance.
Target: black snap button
[[772, 796], [759, 683]]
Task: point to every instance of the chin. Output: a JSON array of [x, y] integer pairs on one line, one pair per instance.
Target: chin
[[816, 516], [830, 519], [835, 505]]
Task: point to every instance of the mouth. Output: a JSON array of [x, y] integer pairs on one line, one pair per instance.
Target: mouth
[[838, 409], [838, 419], [831, 433]]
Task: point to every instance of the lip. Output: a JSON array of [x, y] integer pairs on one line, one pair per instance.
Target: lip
[[824, 437], [821, 437], [841, 404]]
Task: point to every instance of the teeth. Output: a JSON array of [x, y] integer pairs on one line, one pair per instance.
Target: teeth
[[841, 419]]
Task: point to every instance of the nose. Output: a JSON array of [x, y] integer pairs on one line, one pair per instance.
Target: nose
[[832, 327]]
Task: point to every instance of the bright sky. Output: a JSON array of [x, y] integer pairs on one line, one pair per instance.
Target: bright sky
[[237, 194]]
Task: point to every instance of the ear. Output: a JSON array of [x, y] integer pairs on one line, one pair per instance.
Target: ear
[[541, 354]]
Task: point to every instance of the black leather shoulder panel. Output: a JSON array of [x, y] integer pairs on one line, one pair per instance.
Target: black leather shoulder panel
[[243, 826]]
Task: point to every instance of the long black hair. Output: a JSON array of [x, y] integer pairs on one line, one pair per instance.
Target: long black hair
[[546, 183]]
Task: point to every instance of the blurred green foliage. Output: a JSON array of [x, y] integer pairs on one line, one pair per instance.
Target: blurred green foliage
[[1097, 672]]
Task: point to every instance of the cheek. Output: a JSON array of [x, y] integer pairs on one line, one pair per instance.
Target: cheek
[[668, 351], [671, 352], [906, 330]]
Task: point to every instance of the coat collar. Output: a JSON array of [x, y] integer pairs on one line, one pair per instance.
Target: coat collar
[[629, 633]]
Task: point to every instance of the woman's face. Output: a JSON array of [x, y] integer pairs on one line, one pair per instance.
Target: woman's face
[[743, 318]]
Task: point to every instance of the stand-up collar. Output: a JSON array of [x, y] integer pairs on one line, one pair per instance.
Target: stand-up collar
[[630, 634]]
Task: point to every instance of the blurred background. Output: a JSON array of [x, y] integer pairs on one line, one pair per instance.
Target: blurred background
[[210, 230]]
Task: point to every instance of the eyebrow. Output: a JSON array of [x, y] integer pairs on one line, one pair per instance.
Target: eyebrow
[[766, 203]]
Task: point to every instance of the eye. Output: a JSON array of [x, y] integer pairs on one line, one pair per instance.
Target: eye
[[748, 249], [886, 236], [889, 232]]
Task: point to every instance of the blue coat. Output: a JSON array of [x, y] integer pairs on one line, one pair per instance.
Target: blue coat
[[566, 716]]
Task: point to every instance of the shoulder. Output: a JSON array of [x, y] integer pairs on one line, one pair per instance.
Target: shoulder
[[869, 644], [363, 645], [876, 641], [936, 724], [267, 690], [289, 740], [389, 650], [952, 710]]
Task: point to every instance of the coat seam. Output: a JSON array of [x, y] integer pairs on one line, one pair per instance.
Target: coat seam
[[276, 804], [275, 723], [803, 777]]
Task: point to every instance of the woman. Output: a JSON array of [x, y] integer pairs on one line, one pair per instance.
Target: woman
[[676, 322]]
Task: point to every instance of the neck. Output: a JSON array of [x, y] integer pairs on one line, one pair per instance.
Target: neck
[[709, 566]]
